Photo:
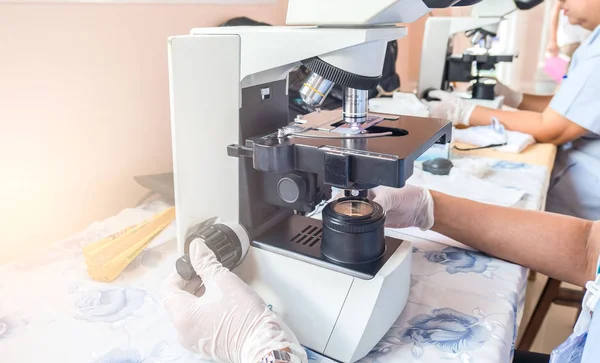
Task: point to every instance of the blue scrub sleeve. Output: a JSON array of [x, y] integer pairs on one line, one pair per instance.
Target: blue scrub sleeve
[[591, 351], [578, 98]]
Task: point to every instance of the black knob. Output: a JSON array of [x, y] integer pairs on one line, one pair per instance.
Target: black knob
[[223, 241], [291, 188], [438, 166], [184, 268]]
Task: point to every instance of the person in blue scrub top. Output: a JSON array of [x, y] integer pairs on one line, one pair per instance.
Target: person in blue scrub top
[[570, 119], [229, 322]]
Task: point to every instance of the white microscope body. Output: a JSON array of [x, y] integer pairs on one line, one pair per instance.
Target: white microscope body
[[229, 83]]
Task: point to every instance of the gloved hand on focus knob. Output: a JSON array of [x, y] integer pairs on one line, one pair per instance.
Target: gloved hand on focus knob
[[229, 322], [410, 206], [449, 107]]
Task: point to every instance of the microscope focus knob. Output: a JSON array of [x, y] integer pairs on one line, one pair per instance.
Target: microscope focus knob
[[291, 188], [221, 239]]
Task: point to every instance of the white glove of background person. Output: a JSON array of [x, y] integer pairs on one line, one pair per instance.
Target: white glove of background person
[[410, 206], [450, 107], [229, 322], [512, 98]]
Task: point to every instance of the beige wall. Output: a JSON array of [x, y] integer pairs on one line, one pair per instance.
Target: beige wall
[[529, 37], [84, 106]]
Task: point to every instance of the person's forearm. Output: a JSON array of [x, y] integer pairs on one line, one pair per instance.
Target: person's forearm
[[528, 122], [534, 103], [558, 246]]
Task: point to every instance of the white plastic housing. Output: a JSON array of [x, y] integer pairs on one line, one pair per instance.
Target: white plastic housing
[[331, 313], [493, 8], [204, 75], [345, 12], [268, 53]]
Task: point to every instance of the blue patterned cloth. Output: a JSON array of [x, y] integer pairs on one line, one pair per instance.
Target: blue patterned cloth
[[463, 307]]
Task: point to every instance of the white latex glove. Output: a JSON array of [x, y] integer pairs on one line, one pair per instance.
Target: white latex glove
[[410, 206], [512, 98], [229, 322], [450, 107]]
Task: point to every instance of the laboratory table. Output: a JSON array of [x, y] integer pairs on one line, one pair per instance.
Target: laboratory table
[[463, 307]]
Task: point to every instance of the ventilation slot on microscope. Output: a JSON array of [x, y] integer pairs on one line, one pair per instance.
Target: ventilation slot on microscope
[[309, 236]]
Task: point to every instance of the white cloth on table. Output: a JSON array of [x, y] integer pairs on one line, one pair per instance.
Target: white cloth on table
[[477, 167], [74, 319], [401, 103], [482, 136], [463, 305], [461, 183], [57, 308]]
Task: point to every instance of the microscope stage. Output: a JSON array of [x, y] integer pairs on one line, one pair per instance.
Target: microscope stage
[[313, 145]]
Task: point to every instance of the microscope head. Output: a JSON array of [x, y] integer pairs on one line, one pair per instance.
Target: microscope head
[[362, 13], [357, 69]]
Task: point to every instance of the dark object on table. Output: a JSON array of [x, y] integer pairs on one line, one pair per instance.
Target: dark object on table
[[426, 97], [243, 21], [439, 166], [530, 357], [161, 184]]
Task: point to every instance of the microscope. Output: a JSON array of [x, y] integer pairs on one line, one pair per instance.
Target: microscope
[[247, 180], [440, 68]]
